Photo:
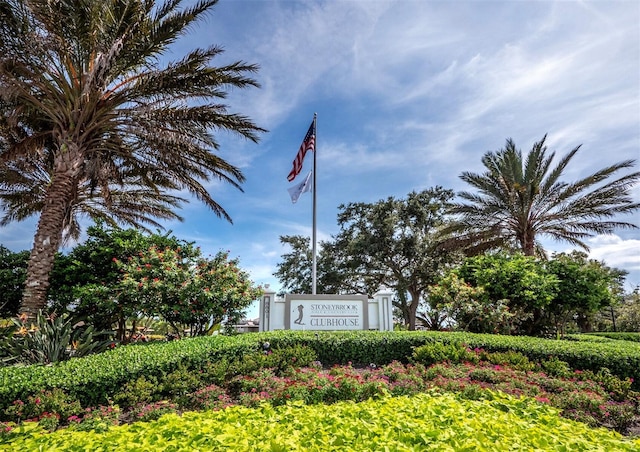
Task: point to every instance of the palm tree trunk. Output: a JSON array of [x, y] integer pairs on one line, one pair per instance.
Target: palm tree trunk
[[59, 197], [529, 242]]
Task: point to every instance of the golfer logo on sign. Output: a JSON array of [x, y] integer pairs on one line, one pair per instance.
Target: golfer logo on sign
[[300, 315]]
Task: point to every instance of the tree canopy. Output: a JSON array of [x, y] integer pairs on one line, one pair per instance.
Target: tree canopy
[[395, 243], [13, 271], [521, 283], [116, 277], [518, 294], [82, 281], [585, 287]]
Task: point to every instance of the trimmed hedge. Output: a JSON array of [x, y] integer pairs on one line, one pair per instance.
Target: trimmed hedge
[[94, 379], [621, 336], [361, 348]]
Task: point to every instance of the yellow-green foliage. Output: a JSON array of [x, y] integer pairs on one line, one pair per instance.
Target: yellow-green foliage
[[423, 422]]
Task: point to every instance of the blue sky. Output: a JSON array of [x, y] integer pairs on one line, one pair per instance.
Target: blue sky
[[408, 95]]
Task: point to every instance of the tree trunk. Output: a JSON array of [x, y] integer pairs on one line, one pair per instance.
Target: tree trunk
[[413, 308], [122, 327], [403, 306], [613, 318], [529, 248], [59, 198], [584, 323]]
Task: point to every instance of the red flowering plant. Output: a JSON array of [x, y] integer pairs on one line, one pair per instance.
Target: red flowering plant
[[6, 428], [153, 411], [98, 419], [44, 403], [579, 395], [211, 397], [49, 421]]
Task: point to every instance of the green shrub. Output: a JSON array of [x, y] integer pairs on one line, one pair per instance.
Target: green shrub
[[474, 392], [215, 373], [622, 336], [618, 388], [437, 370], [621, 416], [438, 352], [556, 367], [49, 421], [579, 406], [180, 382], [208, 398], [95, 380], [7, 429], [485, 375], [586, 338], [253, 382], [146, 412], [139, 391], [554, 385], [509, 358], [283, 359]]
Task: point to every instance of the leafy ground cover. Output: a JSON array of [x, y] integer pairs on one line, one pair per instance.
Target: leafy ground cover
[[283, 377], [425, 421]]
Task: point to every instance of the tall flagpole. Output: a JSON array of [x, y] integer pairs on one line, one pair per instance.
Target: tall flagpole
[[315, 191]]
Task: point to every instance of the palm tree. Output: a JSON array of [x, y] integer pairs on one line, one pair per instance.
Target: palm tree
[[83, 94], [520, 200], [23, 189]]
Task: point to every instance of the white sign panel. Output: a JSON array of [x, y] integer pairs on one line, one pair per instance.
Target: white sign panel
[[324, 312]]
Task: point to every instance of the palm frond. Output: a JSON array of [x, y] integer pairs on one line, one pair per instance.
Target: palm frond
[[527, 199]]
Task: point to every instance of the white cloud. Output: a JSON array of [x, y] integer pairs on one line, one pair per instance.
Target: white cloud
[[615, 251]]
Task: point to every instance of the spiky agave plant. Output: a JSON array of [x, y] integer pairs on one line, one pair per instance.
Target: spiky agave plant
[[47, 339]]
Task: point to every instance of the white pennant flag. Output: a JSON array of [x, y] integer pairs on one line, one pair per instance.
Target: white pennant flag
[[299, 189]]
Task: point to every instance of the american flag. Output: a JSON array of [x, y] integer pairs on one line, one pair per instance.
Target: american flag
[[309, 143]]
